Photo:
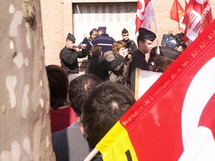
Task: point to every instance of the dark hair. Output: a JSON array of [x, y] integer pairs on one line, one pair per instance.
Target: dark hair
[[140, 38], [70, 40], [103, 108], [124, 31], [80, 87], [96, 50], [92, 31], [58, 86], [162, 62]]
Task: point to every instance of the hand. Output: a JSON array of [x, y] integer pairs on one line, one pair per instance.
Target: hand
[[124, 53], [84, 46]]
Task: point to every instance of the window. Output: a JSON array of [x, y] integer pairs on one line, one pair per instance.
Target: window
[[115, 16]]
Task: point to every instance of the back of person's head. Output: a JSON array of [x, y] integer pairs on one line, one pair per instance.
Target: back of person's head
[[118, 45], [96, 50], [124, 31], [102, 108], [160, 62], [102, 30], [80, 87], [58, 85]]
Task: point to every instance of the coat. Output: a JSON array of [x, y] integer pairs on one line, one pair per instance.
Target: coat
[[118, 74], [69, 61], [105, 41], [99, 66], [138, 61]]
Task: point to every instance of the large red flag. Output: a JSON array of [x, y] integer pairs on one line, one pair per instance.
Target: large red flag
[[197, 16], [175, 118], [144, 15], [177, 13]]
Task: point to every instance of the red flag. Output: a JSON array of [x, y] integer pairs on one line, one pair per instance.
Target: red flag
[[197, 16], [177, 14], [174, 119], [144, 15]]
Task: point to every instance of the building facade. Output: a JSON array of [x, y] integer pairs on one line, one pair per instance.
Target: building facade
[[79, 16]]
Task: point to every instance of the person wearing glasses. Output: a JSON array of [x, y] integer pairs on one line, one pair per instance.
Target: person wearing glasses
[[130, 44]]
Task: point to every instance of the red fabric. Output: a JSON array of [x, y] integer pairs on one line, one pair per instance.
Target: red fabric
[[144, 15], [154, 122], [62, 118], [177, 13], [207, 118], [194, 26]]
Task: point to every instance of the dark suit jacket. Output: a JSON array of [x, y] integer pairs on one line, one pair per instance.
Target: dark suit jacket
[[69, 61], [138, 61], [99, 66]]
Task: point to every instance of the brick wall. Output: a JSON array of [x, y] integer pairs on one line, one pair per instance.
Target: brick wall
[[57, 22], [53, 29]]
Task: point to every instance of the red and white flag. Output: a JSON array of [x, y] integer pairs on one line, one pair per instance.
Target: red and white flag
[[197, 16], [175, 117], [177, 13], [144, 15]]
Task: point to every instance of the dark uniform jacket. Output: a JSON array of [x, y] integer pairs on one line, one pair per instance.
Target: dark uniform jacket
[[105, 42], [131, 45], [69, 61], [99, 66], [138, 61]]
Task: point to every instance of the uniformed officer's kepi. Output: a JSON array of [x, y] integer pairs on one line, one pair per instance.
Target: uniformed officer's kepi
[[70, 37], [102, 28], [146, 34]]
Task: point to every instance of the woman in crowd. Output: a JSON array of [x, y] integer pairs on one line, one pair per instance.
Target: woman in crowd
[[88, 40], [61, 114], [119, 73]]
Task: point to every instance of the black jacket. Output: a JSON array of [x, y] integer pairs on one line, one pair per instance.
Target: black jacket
[[138, 61], [69, 61], [105, 41], [131, 45], [99, 66]]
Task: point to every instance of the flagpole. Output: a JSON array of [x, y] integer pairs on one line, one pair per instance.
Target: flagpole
[[156, 31], [91, 155]]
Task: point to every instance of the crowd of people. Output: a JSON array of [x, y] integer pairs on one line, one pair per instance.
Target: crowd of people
[[85, 106]]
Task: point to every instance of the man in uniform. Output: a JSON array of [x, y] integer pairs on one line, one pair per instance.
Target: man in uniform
[[103, 40], [130, 44], [144, 40], [69, 55]]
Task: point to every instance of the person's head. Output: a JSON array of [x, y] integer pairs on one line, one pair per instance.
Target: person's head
[[125, 34], [160, 62], [70, 41], [96, 50], [118, 46], [102, 108], [145, 40], [101, 30], [79, 88], [58, 86], [93, 33]]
